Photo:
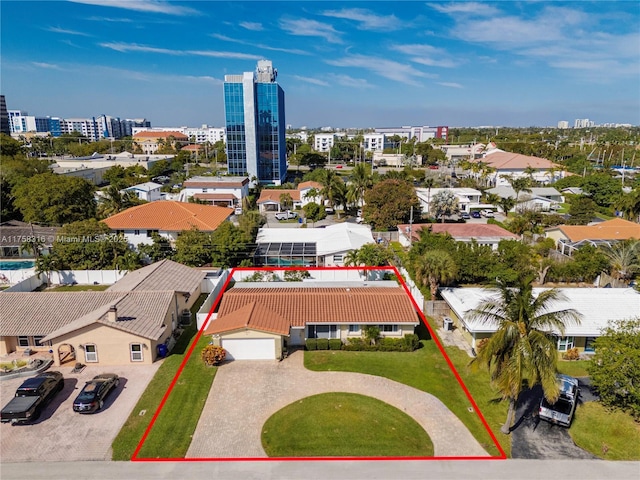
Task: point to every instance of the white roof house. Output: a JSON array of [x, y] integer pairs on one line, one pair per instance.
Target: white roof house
[[468, 198], [597, 305], [310, 246], [149, 191], [540, 198]]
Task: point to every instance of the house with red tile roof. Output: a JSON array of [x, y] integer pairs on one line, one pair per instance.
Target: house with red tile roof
[[150, 141], [166, 218], [507, 164], [570, 237], [256, 320], [269, 200], [482, 233]]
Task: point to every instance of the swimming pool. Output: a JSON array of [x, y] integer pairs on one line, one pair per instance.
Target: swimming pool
[[16, 264]]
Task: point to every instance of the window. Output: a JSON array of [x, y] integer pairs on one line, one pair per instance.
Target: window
[[37, 341], [388, 328], [323, 331], [23, 341], [90, 353], [565, 343], [588, 344], [337, 258], [354, 328], [204, 190], [136, 352]]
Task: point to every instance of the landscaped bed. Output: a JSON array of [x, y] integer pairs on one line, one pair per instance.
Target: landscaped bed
[[343, 425]]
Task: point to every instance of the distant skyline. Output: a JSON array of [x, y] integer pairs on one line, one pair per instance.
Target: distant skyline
[[341, 64]]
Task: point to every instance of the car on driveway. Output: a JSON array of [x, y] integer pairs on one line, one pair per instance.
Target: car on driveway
[[561, 412], [286, 215], [465, 216], [91, 397], [476, 214]]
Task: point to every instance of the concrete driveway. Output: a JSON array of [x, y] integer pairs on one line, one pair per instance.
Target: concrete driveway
[[246, 393], [60, 434], [533, 438]]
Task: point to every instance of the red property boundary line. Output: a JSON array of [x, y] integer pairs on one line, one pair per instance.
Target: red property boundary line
[[434, 337]]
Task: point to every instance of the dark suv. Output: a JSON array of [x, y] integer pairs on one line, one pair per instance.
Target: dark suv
[[92, 396]]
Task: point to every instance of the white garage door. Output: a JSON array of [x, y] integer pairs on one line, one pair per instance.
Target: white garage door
[[250, 348]]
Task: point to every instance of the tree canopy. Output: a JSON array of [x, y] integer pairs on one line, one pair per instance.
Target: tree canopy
[[388, 204]]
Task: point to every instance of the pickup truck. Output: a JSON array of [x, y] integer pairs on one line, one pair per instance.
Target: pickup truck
[[31, 397], [286, 215]]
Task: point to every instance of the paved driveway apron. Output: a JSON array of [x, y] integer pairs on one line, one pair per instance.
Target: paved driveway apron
[[246, 393]]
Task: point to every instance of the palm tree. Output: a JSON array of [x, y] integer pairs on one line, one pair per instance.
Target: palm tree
[[286, 201], [332, 187], [114, 201], [361, 181], [624, 258], [433, 268], [506, 204], [519, 184], [523, 348], [429, 183]]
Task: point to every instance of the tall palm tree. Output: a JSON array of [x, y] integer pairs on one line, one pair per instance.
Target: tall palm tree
[[523, 347], [114, 201], [624, 258], [519, 184], [332, 187], [506, 204], [433, 268], [361, 181]]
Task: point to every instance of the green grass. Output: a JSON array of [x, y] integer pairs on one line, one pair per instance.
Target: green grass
[[574, 368], [193, 387], [424, 369], [79, 288], [341, 425], [612, 435]]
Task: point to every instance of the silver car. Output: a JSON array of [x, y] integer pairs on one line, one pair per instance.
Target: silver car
[[562, 411]]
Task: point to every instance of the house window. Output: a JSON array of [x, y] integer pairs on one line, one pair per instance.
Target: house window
[[354, 328], [136, 352], [23, 341], [136, 232], [565, 343], [37, 341], [204, 190], [337, 258], [588, 344], [322, 331], [388, 328], [90, 353]]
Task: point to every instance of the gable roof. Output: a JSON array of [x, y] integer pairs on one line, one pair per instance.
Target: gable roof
[[273, 195], [616, 229], [169, 216], [12, 233], [310, 184], [515, 161], [163, 275], [153, 135], [322, 305], [461, 231], [145, 187], [252, 316]]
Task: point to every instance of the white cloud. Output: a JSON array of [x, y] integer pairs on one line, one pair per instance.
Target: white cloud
[[67, 31], [426, 55], [311, 28], [367, 19], [256, 27], [472, 8], [134, 47], [109, 19], [314, 81], [260, 45], [49, 66], [450, 84], [151, 6], [347, 81], [383, 67]]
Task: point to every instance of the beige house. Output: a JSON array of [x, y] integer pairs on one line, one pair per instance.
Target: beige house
[[131, 322], [256, 323]]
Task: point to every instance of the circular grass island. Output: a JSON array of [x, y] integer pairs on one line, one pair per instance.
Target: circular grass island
[[343, 425]]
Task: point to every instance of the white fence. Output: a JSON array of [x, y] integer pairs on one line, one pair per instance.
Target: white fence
[[86, 277], [16, 276], [415, 291], [27, 285], [215, 289]]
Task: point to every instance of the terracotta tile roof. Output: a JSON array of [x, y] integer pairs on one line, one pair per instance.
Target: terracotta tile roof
[[162, 275], [152, 135], [301, 306], [252, 316], [273, 195], [193, 148], [514, 161], [169, 216], [616, 229], [310, 184], [461, 230]]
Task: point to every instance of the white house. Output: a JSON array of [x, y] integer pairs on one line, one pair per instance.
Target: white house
[[219, 190], [507, 164], [539, 198], [468, 198], [269, 200], [149, 191]]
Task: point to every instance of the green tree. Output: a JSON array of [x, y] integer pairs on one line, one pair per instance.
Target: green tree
[[629, 203], [286, 202], [519, 184], [230, 245], [388, 203], [514, 259], [361, 181], [52, 199], [602, 188], [314, 212], [624, 259], [506, 204], [115, 201], [523, 349], [193, 248], [434, 268], [159, 249], [615, 367], [369, 255], [582, 210], [333, 188], [444, 204]]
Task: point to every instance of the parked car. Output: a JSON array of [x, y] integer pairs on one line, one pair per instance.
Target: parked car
[[476, 214], [286, 215], [31, 397], [238, 211], [489, 214], [561, 412], [338, 166], [91, 397], [465, 215]]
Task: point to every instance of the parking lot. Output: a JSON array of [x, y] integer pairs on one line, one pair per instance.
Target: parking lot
[[60, 434]]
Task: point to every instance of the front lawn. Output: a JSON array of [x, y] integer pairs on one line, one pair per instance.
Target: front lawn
[[574, 368], [426, 370], [343, 425], [79, 288]]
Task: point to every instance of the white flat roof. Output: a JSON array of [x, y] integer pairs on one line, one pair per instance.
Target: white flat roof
[[597, 305]]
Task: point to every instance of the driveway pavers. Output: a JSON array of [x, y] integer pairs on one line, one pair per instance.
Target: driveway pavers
[[60, 434], [246, 393]]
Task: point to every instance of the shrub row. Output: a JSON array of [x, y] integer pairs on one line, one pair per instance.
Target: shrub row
[[408, 343], [324, 344]]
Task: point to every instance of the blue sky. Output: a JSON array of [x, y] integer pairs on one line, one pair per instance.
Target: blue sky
[[341, 64]]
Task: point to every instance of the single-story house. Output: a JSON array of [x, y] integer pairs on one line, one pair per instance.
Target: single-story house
[[539, 198], [15, 235], [166, 218], [123, 324], [570, 237], [597, 306], [219, 190], [257, 321], [482, 233], [148, 191], [309, 247], [269, 200], [507, 164]]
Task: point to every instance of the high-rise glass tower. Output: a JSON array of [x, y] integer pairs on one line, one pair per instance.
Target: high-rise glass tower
[[254, 116]]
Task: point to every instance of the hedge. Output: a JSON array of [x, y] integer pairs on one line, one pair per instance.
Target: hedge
[[312, 344], [335, 344], [323, 343], [408, 343]]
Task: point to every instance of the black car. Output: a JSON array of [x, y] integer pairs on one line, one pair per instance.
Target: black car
[[92, 396]]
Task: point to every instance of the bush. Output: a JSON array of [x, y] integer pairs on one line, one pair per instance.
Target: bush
[[213, 354], [355, 344], [571, 354], [323, 343], [335, 344], [411, 342], [312, 344]]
